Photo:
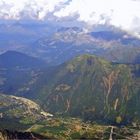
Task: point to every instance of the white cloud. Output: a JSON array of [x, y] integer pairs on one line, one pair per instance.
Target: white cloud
[[120, 13], [40, 8]]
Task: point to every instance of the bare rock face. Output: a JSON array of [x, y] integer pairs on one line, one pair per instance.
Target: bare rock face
[[8, 135]]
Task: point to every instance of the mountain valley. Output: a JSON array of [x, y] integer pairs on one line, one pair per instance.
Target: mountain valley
[[71, 84], [87, 86]]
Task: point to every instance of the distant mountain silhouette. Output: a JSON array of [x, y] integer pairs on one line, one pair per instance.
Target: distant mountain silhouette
[[13, 59]]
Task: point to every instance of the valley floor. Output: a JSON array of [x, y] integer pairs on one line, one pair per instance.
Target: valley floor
[[75, 128]]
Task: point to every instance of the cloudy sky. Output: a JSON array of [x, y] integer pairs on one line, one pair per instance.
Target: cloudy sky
[[120, 13]]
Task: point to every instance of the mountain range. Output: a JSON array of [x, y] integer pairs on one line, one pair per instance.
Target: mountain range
[[88, 79], [57, 44], [87, 86], [66, 43]]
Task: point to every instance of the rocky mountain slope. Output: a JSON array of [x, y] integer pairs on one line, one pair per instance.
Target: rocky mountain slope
[[19, 109], [87, 86], [94, 89]]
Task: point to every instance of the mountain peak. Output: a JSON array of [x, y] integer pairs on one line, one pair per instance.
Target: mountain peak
[[88, 60], [12, 52], [13, 59]]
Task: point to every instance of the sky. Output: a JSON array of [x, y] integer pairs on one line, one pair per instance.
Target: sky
[[120, 13]]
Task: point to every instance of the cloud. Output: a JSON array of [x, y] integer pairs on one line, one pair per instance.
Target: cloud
[[121, 13], [17, 9]]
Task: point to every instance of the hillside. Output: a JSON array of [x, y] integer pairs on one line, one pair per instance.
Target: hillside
[[87, 87], [86, 95], [18, 71], [19, 110], [92, 88]]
